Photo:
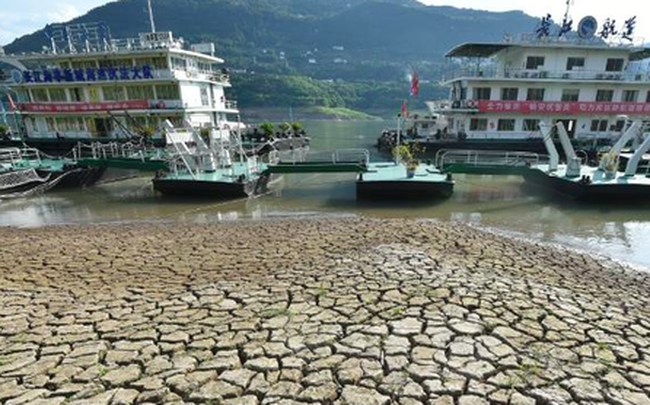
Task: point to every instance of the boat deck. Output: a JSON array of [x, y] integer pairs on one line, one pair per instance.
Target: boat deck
[[597, 176], [389, 171]]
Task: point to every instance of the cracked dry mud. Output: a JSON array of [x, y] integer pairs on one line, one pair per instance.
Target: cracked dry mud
[[353, 311]]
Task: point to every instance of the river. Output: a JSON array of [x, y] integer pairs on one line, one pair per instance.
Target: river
[[496, 202]]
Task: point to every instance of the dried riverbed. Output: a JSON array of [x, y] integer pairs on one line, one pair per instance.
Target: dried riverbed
[[345, 311]]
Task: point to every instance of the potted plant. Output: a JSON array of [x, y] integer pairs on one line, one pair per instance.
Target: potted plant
[[284, 128], [406, 155], [268, 129], [296, 127], [4, 131]]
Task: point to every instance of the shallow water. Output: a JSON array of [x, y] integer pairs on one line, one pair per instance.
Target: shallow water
[[497, 202]]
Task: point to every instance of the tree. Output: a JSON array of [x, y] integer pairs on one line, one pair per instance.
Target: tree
[[285, 127], [297, 127], [268, 129]]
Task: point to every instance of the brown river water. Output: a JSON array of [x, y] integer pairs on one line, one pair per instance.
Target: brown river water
[[496, 202]]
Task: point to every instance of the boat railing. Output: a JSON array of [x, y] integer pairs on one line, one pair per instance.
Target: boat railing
[[10, 155], [361, 156], [339, 156], [493, 72], [446, 157]]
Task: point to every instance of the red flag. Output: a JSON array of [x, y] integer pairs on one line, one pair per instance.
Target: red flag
[[404, 111], [11, 103], [415, 84]]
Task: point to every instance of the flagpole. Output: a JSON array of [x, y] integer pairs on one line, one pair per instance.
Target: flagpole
[[398, 140]]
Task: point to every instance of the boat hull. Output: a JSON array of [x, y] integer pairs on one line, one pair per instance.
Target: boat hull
[[80, 177], [403, 190], [587, 191], [211, 189]]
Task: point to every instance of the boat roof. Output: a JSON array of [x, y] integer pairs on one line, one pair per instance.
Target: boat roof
[[486, 50], [31, 57]]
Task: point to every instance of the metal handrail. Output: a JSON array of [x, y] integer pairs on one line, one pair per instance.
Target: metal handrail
[[480, 157], [336, 156]]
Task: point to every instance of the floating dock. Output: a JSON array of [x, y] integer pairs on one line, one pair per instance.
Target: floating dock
[[390, 181]]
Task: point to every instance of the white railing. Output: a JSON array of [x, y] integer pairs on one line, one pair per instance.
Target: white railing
[[487, 158], [491, 72], [10, 155], [135, 44]]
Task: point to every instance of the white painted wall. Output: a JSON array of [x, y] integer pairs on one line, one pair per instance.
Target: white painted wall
[[554, 89], [556, 58]]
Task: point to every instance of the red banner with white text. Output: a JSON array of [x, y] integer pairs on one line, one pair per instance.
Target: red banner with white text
[[568, 108], [63, 108]]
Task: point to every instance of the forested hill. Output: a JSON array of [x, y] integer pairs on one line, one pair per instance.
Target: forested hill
[[385, 28], [350, 41]]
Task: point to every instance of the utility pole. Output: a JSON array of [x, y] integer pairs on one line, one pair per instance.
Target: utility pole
[[151, 20]]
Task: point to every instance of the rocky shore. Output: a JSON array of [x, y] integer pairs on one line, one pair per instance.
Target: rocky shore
[[345, 311]]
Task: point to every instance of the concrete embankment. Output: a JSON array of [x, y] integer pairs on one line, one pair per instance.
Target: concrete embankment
[[345, 311]]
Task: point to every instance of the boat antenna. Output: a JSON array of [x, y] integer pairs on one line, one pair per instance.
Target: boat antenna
[[568, 9], [151, 20]]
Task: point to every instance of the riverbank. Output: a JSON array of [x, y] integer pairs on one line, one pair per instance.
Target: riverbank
[[350, 311], [317, 113]]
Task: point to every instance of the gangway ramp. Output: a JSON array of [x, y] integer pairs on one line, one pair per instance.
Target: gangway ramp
[[340, 161], [487, 162]]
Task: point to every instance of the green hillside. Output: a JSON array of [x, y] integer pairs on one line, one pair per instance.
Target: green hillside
[[332, 53]]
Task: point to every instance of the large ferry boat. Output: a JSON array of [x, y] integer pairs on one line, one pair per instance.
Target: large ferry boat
[[500, 93], [87, 86]]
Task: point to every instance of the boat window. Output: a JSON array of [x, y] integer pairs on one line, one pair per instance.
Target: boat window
[[531, 125], [575, 63], [205, 100], [40, 95], [535, 95], [69, 124], [77, 95], [605, 95], [463, 93], [478, 124], [620, 125], [160, 63], [482, 93], [534, 62], [141, 62], [179, 63], [570, 94], [114, 93], [168, 92], [51, 125], [32, 125], [510, 94], [23, 96], [86, 64], [506, 125], [615, 65], [111, 63], [630, 96], [58, 95], [599, 125], [140, 92]]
